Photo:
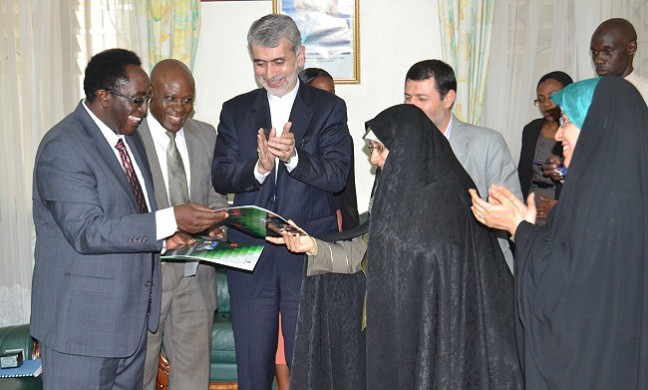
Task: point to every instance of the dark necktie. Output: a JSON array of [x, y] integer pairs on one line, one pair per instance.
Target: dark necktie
[[132, 177], [178, 192]]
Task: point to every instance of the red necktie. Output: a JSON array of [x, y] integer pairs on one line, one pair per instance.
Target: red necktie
[[132, 177]]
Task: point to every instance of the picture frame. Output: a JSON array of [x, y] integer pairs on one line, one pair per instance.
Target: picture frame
[[330, 33]]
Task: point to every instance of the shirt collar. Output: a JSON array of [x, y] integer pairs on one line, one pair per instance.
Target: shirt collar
[[285, 99], [158, 131], [107, 132], [448, 130]]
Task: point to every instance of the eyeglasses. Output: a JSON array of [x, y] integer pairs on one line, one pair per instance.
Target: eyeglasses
[[377, 147], [139, 102], [562, 121], [540, 100]]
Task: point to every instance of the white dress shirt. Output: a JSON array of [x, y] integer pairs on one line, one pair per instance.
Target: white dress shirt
[[280, 108], [165, 223]]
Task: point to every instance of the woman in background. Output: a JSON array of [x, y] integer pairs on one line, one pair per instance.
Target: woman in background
[[539, 145], [582, 279]]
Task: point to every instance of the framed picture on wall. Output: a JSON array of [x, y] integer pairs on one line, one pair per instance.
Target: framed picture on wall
[[330, 34]]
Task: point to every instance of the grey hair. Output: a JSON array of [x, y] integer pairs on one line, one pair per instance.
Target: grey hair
[[270, 29]]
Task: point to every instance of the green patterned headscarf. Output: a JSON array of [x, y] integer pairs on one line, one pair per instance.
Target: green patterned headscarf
[[575, 99]]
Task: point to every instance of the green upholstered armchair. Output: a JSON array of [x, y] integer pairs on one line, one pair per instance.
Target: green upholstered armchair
[[17, 337], [222, 375]]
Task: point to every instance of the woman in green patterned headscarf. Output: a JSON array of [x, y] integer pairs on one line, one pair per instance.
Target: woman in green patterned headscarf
[[581, 281]]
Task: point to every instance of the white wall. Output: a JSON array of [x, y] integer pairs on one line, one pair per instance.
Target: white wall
[[392, 38]]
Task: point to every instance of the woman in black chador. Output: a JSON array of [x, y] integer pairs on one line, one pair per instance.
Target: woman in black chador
[[582, 279], [439, 296]]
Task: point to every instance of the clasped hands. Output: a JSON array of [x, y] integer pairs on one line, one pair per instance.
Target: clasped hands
[[282, 147], [193, 218], [503, 210]]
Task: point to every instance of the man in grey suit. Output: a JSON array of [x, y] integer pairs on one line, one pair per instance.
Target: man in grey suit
[[431, 86], [96, 284], [188, 289]]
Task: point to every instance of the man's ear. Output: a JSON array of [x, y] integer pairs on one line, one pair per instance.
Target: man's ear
[[449, 99], [102, 97], [301, 57], [631, 48]]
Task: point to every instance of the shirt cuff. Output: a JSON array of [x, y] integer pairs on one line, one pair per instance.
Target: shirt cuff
[[165, 223], [260, 177], [293, 162]]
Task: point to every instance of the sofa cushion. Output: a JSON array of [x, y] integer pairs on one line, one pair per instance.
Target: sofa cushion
[[223, 292], [17, 337]]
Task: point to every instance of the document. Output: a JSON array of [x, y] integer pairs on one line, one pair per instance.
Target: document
[[230, 254], [28, 368], [257, 221]]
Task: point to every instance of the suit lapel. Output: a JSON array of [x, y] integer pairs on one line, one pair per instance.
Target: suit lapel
[[300, 116], [139, 154], [260, 117], [105, 151], [192, 139], [459, 139]]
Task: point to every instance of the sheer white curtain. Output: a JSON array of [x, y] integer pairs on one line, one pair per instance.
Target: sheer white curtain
[[43, 51], [38, 82], [532, 38]]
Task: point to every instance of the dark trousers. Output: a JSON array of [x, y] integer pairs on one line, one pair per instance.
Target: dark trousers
[[255, 322]]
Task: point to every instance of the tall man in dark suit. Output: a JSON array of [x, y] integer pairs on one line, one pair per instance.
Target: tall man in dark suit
[[188, 289], [294, 172], [96, 284]]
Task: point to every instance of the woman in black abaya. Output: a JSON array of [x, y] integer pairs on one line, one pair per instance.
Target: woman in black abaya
[[582, 280], [439, 303]]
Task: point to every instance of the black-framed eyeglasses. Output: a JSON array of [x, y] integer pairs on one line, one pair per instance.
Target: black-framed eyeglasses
[[139, 102], [540, 100], [562, 121]]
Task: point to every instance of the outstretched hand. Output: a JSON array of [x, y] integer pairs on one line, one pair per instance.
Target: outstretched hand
[[503, 210], [195, 218], [294, 241], [179, 240]]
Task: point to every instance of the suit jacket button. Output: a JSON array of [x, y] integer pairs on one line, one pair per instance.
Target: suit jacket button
[[148, 283]]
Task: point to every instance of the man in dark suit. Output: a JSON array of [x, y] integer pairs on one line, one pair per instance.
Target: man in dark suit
[[294, 172], [96, 284], [188, 289]]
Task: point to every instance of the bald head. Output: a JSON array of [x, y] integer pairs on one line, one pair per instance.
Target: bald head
[[613, 46], [173, 94]]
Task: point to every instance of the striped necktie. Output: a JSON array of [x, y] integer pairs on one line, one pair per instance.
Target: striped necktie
[[131, 176]]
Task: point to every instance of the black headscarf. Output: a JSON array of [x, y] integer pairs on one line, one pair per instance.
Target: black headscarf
[[439, 294], [582, 280]]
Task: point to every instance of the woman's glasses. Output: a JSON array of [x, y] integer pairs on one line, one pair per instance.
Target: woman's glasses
[[540, 100], [563, 121], [377, 147]]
